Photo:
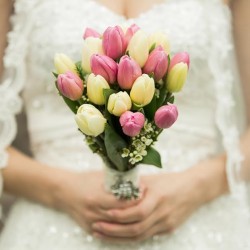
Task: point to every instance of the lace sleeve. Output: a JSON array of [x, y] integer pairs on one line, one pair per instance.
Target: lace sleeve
[[230, 113], [14, 74]]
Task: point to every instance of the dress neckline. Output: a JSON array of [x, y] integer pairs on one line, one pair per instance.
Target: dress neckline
[[154, 7], [129, 19]]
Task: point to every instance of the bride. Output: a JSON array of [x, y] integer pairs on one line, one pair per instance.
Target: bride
[[199, 199]]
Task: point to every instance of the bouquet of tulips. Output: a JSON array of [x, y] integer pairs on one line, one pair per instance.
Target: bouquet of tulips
[[122, 95]]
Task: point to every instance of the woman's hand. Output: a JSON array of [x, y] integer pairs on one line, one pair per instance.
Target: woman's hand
[[168, 202], [82, 195]]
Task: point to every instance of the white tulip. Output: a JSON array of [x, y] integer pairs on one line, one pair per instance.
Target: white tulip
[[159, 38], [119, 103], [138, 47], [90, 120]]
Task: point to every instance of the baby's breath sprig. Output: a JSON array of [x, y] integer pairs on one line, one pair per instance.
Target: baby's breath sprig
[[140, 143], [96, 144]]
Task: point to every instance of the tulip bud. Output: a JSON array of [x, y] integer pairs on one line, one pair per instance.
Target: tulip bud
[[63, 64], [104, 66], [132, 123], [138, 47], [166, 116], [143, 90], [95, 87], [70, 85], [159, 38], [157, 63], [177, 73], [91, 45], [91, 33], [90, 120], [130, 31], [178, 58], [128, 72], [114, 42], [119, 103]]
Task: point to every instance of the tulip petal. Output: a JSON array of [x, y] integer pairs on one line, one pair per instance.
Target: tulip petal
[[96, 125], [138, 47], [177, 77]]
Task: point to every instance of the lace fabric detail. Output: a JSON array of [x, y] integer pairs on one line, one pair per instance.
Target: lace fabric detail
[[14, 76], [207, 38], [229, 115]]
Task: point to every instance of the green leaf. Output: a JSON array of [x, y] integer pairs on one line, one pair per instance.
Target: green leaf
[[150, 109], [171, 99], [55, 74], [162, 97], [152, 47], [136, 107], [73, 105], [114, 145], [152, 158], [80, 70], [107, 93], [166, 75]]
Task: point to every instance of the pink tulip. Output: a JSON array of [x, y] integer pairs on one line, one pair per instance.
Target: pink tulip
[[114, 44], [128, 71], [157, 63], [132, 29], [166, 116], [182, 57], [70, 85], [132, 123], [104, 66], [90, 33]]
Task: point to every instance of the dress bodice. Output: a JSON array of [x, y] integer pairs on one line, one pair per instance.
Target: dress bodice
[[207, 118]]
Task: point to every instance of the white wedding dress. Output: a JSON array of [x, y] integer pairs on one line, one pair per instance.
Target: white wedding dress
[[210, 121]]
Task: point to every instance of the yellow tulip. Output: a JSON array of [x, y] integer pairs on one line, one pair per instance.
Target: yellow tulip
[[143, 90], [63, 64], [177, 77], [95, 86]]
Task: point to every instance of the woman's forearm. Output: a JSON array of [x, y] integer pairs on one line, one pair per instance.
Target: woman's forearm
[[245, 149], [30, 179], [209, 179], [241, 24], [210, 176], [5, 11]]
